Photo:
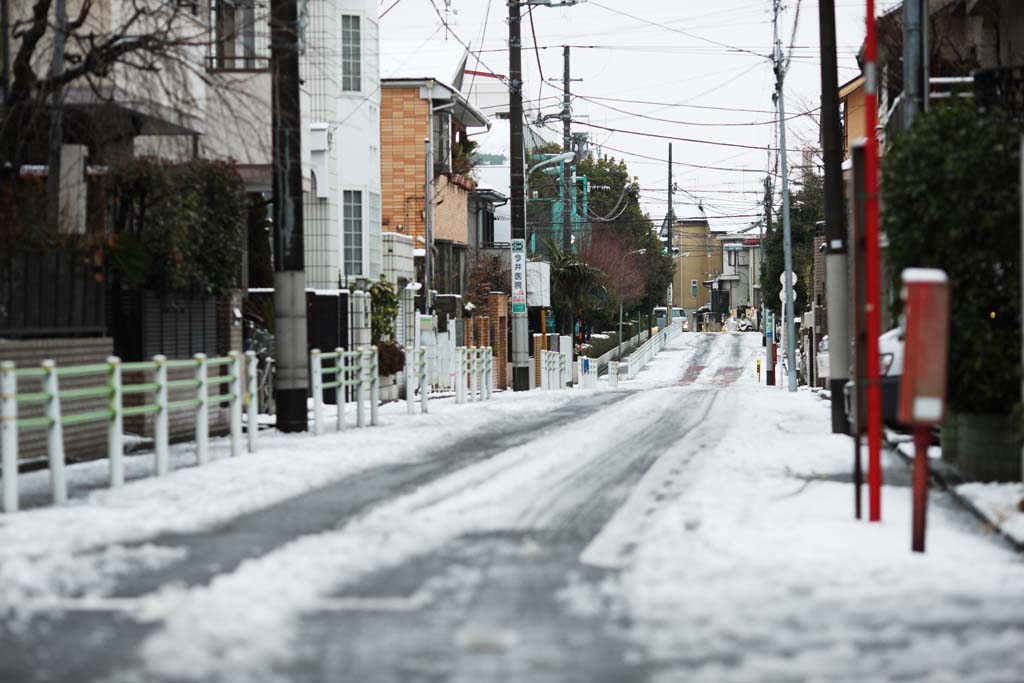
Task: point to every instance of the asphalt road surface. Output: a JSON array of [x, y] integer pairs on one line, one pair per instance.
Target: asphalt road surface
[[529, 499]]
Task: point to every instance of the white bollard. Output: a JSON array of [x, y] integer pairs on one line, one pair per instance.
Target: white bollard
[[317, 378], [54, 433], [613, 374], [9, 434], [161, 420], [202, 410], [489, 375], [374, 385], [251, 406], [115, 425], [236, 403], [339, 396]]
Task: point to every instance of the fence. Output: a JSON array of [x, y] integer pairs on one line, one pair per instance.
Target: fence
[[51, 293], [109, 387], [639, 359], [588, 373], [355, 370], [554, 370], [613, 374], [473, 366]]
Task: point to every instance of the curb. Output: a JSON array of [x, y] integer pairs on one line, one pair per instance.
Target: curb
[[944, 478]]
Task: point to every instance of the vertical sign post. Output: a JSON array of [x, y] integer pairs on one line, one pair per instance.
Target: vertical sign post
[[520, 345]]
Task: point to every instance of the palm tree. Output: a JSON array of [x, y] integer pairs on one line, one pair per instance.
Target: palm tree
[[574, 284]]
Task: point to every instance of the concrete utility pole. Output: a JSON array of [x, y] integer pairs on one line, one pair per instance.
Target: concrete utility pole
[[54, 201], [517, 163], [837, 297], [289, 260], [671, 189], [787, 245], [428, 222], [911, 61], [568, 186]]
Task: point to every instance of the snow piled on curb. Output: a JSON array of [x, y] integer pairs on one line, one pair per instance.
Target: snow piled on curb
[[1001, 504]]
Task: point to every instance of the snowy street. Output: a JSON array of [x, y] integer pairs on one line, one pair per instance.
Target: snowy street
[[692, 525]]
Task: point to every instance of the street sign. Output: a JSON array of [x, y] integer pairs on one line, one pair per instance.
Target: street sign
[[782, 279], [519, 276], [782, 296]]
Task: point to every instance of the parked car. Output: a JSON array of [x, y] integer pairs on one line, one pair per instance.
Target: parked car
[[822, 360], [890, 357], [660, 316]]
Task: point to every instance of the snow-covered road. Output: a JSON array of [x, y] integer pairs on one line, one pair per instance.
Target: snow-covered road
[[690, 526]]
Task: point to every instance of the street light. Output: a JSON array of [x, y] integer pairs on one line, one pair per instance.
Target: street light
[[618, 355]]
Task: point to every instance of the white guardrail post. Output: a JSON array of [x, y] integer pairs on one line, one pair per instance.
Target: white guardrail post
[[341, 377], [115, 425], [9, 435], [54, 433], [202, 409], [161, 419], [317, 378], [236, 403], [410, 376], [252, 429], [613, 374], [362, 365], [423, 377], [489, 365], [374, 384], [460, 374], [474, 373]]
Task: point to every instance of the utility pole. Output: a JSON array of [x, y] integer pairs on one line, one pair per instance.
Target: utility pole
[[787, 244], [671, 189], [911, 61], [289, 260], [568, 185], [517, 163], [54, 201], [768, 201], [428, 223], [835, 227], [872, 269]]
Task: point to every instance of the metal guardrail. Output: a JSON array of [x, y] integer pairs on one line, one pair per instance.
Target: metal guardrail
[[643, 355], [587, 371], [474, 366], [110, 388], [357, 370]]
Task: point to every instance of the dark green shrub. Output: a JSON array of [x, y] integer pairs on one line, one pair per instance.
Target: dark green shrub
[[951, 197]]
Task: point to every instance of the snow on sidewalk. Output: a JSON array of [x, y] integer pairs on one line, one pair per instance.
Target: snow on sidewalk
[[758, 571]]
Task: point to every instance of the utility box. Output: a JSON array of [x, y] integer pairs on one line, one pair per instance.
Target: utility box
[[926, 350]]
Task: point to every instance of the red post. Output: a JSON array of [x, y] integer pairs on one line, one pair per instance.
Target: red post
[[921, 440], [923, 384], [872, 270]]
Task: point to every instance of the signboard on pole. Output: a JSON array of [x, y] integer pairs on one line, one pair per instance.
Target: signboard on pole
[[518, 276]]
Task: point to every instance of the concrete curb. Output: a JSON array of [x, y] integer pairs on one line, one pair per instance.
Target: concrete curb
[[946, 478]]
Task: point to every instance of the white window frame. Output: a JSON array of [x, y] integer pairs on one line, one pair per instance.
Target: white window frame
[[694, 290], [350, 277], [361, 17]]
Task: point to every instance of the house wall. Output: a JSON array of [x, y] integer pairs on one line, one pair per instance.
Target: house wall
[[404, 125], [451, 210]]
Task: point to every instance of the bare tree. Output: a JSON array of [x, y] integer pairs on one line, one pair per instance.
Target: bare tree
[[623, 277]]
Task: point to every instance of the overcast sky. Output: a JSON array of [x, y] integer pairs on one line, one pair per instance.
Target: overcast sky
[[691, 63]]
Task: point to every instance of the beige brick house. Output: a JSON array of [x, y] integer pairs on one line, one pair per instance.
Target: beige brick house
[[414, 110]]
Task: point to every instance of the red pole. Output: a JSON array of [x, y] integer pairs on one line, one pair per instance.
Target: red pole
[[872, 271], [921, 440]]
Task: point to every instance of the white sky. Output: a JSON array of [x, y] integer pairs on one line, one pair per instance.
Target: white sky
[[680, 62]]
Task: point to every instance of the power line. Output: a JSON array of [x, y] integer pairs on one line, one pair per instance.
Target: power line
[[717, 143]]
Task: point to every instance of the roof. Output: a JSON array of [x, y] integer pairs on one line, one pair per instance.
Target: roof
[[437, 90]]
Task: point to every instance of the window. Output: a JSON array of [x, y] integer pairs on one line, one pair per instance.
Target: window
[[693, 289], [351, 54], [352, 225], [241, 35], [442, 142]]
